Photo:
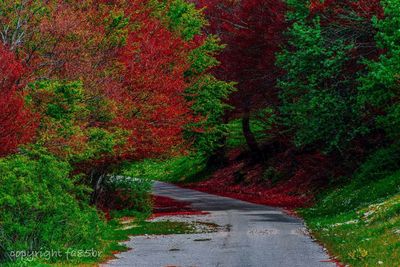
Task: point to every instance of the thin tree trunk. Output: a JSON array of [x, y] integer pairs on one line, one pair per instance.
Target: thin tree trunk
[[218, 158], [248, 134], [97, 179]]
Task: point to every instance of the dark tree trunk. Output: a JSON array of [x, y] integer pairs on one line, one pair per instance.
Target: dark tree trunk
[[248, 134], [97, 179], [218, 159]]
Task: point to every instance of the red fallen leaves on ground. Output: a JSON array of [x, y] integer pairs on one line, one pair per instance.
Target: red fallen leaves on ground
[[244, 181], [109, 201], [256, 195], [162, 206], [165, 206]]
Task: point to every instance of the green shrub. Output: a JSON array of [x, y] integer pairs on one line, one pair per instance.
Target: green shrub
[[272, 174], [39, 211], [126, 193], [382, 163]]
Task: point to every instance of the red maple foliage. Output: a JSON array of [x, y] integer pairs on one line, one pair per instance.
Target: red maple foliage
[[17, 123], [150, 98], [136, 85], [334, 10], [252, 31]]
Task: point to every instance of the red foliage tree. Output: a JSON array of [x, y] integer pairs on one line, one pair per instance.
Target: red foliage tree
[[134, 71], [334, 10], [252, 31], [132, 67], [150, 98], [17, 123]]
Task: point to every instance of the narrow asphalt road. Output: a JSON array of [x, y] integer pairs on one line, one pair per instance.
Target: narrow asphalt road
[[253, 235]]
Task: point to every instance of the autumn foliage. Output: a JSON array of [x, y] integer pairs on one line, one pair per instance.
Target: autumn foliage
[[150, 98], [88, 88], [253, 34], [17, 122]]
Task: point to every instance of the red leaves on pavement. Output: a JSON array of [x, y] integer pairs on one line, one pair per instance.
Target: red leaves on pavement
[[165, 206]]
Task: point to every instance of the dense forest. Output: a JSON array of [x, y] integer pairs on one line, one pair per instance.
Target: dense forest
[[291, 103]]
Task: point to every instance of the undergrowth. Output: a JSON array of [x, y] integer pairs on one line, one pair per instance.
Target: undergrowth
[[360, 222], [40, 211]]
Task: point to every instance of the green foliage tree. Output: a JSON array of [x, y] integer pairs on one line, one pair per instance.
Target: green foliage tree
[[207, 94], [64, 125], [313, 106], [322, 62], [379, 88]]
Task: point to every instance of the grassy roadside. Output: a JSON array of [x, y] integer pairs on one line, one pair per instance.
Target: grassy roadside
[[120, 229], [360, 223], [128, 226]]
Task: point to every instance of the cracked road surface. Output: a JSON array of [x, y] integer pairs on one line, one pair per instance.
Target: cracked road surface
[[252, 235]]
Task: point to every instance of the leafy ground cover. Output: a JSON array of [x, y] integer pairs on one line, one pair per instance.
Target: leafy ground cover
[[254, 182], [360, 223], [165, 206], [224, 182]]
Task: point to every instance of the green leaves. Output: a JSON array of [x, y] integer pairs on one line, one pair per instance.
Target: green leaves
[[380, 86], [39, 209], [116, 27], [185, 18], [58, 100], [64, 128], [208, 95], [203, 58], [318, 104], [181, 17]]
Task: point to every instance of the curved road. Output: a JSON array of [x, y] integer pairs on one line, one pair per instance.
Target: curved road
[[253, 235]]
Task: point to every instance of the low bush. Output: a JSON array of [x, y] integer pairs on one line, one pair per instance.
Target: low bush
[[126, 193], [39, 210]]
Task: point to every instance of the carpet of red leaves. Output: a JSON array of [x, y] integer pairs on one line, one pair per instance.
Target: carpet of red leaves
[[302, 176], [165, 206]]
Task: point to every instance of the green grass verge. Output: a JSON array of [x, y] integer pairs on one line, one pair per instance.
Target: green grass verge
[[360, 223], [159, 228], [187, 168], [120, 230]]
